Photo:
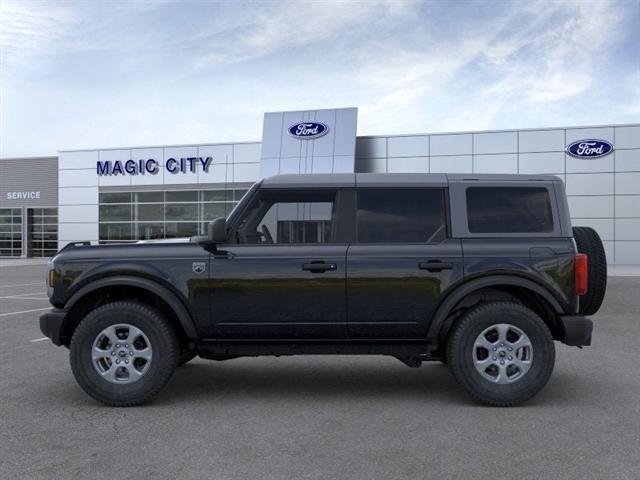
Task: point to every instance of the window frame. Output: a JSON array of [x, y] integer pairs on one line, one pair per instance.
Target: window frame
[[459, 217], [338, 217], [445, 211]]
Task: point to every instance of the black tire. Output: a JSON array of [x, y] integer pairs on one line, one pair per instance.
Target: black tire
[[164, 347], [588, 242], [460, 351], [185, 357]]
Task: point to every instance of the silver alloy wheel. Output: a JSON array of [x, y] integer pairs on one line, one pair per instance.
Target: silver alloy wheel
[[502, 353], [121, 353]]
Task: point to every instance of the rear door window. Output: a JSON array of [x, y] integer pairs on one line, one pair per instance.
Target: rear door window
[[402, 215], [509, 210]]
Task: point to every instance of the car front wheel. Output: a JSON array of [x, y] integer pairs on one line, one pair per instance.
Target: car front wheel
[[123, 353]]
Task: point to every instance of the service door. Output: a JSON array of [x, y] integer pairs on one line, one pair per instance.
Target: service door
[[401, 263]]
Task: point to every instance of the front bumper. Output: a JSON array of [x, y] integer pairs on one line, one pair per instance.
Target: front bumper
[[52, 325], [577, 330]]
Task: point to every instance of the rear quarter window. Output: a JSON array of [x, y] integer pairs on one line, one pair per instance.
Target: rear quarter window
[[509, 210]]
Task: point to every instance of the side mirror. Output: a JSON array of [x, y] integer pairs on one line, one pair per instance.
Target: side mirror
[[218, 230]]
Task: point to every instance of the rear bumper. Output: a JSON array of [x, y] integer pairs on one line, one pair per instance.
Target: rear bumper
[[52, 325], [577, 330]]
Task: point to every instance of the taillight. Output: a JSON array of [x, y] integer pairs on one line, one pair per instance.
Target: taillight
[[581, 263]]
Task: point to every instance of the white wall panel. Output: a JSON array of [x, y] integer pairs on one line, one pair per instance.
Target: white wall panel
[[290, 165], [371, 165], [343, 164], [604, 226], [495, 142], [591, 206], [604, 133], [504, 163], [628, 183], [408, 165], [589, 184], [452, 164], [218, 173], [580, 165], [545, 162], [77, 178], [77, 213], [345, 131], [85, 159], [459, 144], [627, 253], [246, 172], [542, 141], [78, 232], [627, 160], [219, 153], [627, 228], [417, 146], [323, 146], [375, 147], [78, 196], [246, 153], [627, 206], [628, 137], [146, 178], [320, 165]]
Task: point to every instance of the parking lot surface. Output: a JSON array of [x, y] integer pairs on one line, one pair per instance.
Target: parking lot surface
[[318, 417]]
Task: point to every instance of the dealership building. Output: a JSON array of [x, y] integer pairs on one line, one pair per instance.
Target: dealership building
[[127, 194]]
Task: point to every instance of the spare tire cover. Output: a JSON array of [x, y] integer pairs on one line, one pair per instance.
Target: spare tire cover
[[588, 242]]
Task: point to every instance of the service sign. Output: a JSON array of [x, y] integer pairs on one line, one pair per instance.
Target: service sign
[[589, 148], [308, 130]]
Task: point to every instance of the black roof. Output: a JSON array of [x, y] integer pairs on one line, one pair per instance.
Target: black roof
[[333, 180]]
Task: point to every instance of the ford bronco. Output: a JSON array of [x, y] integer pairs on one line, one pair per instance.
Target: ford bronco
[[481, 272]]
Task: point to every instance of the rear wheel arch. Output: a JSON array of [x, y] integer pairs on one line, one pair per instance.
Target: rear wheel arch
[[120, 288], [494, 288]]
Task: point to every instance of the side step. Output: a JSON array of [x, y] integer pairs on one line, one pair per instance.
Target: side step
[[411, 354]]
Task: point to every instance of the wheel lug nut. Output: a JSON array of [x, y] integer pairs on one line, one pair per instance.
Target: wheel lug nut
[[117, 361], [131, 353], [126, 361], [495, 358], [126, 345], [501, 362], [509, 348], [510, 357], [117, 345], [113, 353], [494, 349]]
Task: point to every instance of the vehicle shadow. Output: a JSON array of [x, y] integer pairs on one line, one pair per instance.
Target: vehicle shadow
[[323, 378]]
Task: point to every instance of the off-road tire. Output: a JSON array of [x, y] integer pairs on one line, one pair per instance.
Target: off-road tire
[[588, 242], [164, 347], [459, 353]]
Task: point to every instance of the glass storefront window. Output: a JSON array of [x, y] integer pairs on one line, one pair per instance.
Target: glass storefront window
[[132, 216], [10, 232], [42, 229]]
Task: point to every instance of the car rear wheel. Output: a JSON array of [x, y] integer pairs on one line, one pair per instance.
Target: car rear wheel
[[588, 242], [502, 353], [123, 353]]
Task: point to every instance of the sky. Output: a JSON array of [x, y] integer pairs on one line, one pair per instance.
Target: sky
[[96, 74]]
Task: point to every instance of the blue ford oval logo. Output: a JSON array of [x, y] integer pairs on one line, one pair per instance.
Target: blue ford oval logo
[[308, 130], [590, 148]]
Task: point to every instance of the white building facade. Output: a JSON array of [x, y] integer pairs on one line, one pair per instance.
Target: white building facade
[[127, 194]]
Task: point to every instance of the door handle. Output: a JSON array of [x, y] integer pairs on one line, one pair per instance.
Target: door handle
[[318, 267], [435, 266]]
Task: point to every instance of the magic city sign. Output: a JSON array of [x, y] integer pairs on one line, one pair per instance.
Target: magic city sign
[[589, 148], [151, 166]]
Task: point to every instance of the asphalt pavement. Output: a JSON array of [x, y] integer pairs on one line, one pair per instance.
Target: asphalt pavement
[[318, 417]]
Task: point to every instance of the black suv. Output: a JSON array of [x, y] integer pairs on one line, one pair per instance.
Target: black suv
[[481, 272]]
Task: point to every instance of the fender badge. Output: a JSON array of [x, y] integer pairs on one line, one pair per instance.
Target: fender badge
[[199, 267]]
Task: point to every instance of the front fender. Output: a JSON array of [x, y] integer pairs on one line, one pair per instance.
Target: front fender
[[170, 297]]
